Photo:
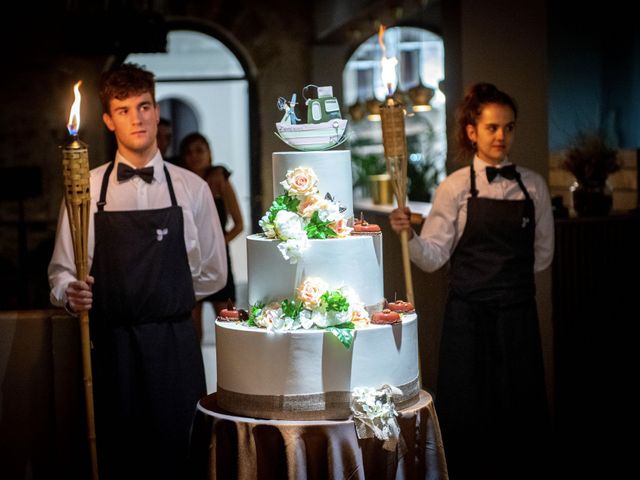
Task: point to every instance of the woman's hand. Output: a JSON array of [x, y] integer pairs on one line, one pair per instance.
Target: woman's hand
[[400, 220], [79, 295]]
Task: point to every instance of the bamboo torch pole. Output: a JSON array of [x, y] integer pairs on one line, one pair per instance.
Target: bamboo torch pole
[[75, 170], [395, 153]]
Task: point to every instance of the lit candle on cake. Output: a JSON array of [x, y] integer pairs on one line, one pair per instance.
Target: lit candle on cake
[[395, 151], [77, 196]]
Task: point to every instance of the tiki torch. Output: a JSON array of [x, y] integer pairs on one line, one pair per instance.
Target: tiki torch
[[395, 152], [75, 170]]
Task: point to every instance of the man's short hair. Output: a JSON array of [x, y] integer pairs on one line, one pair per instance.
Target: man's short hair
[[124, 81]]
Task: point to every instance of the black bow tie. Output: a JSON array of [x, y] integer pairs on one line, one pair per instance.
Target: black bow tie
[[125, 172], [508, 172]]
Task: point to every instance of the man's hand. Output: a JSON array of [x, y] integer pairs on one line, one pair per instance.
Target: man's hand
[[400, 220], [79, 295]]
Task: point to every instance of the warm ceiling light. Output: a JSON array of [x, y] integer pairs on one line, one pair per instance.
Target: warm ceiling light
[[357, 111], [420, 97], [373, 110]]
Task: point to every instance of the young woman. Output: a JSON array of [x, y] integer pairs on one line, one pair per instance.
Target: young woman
[[196, 156], [493, 223]]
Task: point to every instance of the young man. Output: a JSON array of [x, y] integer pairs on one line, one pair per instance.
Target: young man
[[155, 247]]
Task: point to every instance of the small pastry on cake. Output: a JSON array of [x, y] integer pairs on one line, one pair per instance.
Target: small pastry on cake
[[232, 314], [401, 306], [362, 227], [385, 317]]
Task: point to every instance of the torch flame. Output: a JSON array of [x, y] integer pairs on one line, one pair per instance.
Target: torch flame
[[388, 64], [381, 39], [74, 115]]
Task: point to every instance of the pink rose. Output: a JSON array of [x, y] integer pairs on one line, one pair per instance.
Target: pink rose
[[310, 291], [300, 181], [340, 227]]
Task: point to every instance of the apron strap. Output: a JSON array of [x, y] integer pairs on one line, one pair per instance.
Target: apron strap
[[103, 189], [522, 187], [174, 203], [472, 173]]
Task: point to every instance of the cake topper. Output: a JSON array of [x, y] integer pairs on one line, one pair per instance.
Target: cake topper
[[325, 128], [289, 117]]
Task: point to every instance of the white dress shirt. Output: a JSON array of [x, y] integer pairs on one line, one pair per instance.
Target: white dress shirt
[[445, 223], [203, 234]]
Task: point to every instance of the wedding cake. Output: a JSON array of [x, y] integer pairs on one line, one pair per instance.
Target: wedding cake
[[310, 337]]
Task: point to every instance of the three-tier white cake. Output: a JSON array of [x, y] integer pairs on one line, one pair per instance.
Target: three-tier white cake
[[308, 342]]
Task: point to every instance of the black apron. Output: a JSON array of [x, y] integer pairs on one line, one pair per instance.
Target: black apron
[[491, 397], [148, 367]]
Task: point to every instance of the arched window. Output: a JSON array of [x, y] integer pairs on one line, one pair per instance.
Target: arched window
[[420, 69]]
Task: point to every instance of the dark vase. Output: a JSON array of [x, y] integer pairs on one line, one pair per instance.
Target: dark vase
[[591, 200]]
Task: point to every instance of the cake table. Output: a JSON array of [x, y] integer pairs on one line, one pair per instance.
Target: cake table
[[225, 446]]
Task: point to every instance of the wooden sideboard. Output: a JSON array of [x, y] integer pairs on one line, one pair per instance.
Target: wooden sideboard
[[596, 299]]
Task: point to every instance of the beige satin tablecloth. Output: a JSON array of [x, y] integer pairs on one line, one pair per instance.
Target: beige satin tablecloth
[[228, 447]]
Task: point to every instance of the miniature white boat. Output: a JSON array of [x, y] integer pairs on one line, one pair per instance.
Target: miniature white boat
[[313, 136]]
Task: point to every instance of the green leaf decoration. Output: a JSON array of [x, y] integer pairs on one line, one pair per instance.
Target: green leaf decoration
[[291, 308], [318, 229], [283, 202], [346, 325], [334, 301], [254, 311], [345, 335]]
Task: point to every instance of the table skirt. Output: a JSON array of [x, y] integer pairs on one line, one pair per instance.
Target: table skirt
[[224, 446]]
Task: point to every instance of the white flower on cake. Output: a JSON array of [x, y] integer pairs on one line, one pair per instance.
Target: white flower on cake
[[268, 227], [328, 210], [266, 316], [302, 214], [292, 250], [315, 306], [288, 225], [300, 181]]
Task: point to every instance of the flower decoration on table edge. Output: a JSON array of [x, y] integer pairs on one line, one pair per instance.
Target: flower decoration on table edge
[[315, 306], [374, 414], [301, 213]]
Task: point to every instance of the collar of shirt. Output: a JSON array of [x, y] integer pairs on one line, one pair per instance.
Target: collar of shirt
[[480, 165], [156, 162]]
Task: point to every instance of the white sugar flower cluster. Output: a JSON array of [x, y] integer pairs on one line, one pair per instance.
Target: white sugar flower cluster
[[314, 306], [301, 214]]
